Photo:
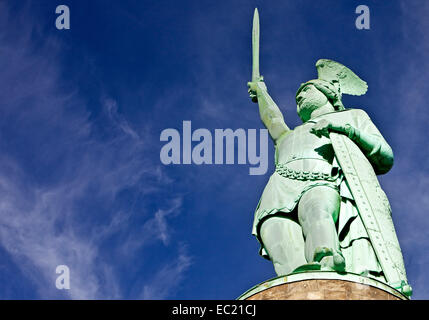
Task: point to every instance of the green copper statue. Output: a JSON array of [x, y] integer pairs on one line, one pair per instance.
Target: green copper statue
[[323, 207]]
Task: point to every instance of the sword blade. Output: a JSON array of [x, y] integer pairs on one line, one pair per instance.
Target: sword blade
[[255, 47]]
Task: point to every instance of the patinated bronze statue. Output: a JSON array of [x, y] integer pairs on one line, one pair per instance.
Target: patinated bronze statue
[[323, 207]]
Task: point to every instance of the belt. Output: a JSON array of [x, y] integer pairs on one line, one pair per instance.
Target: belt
[[286, 172]]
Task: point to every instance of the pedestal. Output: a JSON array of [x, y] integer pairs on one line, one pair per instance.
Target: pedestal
[[322, 285]]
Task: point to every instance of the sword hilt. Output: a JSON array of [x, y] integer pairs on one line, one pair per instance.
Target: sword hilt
[[253, 88]]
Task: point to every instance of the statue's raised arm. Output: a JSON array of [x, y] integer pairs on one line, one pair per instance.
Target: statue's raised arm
[[270, 113]]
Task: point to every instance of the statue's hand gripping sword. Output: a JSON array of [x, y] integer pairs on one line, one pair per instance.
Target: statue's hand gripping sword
[[256, 77]]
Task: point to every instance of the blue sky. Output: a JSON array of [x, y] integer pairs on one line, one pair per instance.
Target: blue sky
[[81, 182]]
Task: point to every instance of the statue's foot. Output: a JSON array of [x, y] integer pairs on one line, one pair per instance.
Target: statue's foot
[[335, 262], [321, 252]]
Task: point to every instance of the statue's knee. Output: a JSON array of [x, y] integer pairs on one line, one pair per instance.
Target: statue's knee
[[316, 214], [323, 214]]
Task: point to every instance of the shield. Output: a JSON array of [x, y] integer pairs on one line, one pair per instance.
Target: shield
[[374, 209]]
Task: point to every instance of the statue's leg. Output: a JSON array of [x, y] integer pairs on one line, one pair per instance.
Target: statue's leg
[[283, 240], [318, 211]]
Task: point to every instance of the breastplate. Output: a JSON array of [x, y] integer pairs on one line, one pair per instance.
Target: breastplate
[[303, 146]]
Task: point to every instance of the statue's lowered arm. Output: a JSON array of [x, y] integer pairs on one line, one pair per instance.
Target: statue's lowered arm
[[366, 136], [373, 145], [270, 113]]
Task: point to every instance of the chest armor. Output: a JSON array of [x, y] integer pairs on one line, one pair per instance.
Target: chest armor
[[301, 144]]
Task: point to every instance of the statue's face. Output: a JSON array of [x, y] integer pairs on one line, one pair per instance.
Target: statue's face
[[308, 100]]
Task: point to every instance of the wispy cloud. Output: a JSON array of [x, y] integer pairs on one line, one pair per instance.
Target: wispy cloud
[[168, 278], [112, 109], [154, 229], [63, 218]]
